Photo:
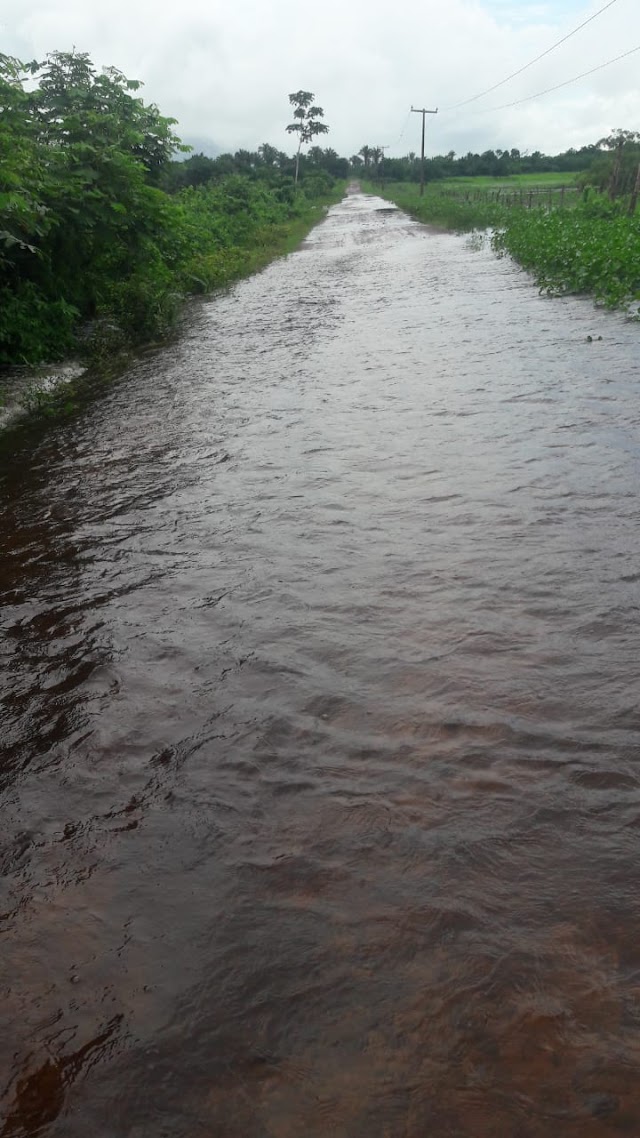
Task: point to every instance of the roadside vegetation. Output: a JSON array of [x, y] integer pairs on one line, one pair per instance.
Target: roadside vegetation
[[575, 234], [591, 249], [103, 233]]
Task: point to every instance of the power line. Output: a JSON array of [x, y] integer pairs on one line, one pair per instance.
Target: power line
[[537, 59], [557, 87], [401, 135]]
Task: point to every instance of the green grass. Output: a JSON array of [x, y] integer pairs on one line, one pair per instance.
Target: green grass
[[517, 181]]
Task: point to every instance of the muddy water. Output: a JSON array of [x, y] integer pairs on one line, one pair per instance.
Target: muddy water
[[321, 780]]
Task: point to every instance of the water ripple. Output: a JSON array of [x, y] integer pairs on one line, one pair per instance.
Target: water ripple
[[320, 776]]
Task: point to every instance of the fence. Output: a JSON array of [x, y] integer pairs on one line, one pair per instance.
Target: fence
[[525, 197]]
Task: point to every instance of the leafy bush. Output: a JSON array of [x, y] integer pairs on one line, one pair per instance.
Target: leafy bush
[[577, 251], [33, 326]]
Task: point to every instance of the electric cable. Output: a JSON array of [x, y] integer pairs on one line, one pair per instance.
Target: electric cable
[[566, 83], [401, 135], [537, 59]]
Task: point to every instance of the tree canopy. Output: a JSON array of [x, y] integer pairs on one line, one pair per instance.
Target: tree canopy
[[307, 122]]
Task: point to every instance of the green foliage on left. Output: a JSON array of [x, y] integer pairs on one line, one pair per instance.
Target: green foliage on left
[[101, 234], [80, 154]]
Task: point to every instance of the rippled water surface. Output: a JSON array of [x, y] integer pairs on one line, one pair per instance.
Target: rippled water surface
[[320, 775]]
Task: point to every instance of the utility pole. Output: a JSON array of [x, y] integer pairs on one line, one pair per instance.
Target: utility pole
[[422, 111]]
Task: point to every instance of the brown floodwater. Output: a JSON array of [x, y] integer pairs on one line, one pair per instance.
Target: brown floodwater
[[321, 675]]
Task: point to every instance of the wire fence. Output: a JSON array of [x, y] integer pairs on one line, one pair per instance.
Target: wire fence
[[525, 197]]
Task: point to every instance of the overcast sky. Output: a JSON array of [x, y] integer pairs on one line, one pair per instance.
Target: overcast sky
[[224, 68]]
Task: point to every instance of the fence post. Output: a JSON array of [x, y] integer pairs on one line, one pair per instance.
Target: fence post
[[635, 194]]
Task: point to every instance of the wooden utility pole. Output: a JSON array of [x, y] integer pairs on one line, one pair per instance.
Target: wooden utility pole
[[422, 111]]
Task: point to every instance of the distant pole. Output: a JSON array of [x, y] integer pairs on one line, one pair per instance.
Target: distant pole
[[422, 111]]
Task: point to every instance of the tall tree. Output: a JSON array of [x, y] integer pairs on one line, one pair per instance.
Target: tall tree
[[269, 154], [622, 143], [365, 151], [307, 121], [376, 154]]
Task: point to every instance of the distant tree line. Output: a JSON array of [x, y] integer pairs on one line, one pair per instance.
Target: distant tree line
[[267, 164], [490, 163]]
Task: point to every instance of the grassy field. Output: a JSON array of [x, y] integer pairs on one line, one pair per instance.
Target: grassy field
[[515, 181]]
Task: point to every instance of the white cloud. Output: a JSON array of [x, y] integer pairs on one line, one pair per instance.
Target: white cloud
[[224, 68]]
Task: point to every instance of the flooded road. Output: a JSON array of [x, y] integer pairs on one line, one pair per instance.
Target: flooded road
[[321, 768]]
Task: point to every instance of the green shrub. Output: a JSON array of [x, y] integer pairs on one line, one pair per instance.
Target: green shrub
[[34, 327], [573, 251]]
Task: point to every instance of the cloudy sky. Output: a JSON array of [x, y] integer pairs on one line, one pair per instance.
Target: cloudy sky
[[224, 68]]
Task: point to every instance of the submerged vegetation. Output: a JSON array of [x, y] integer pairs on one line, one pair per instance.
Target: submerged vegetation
[[590, 249], [102, 233]]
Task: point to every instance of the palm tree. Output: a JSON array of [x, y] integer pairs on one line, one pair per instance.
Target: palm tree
[[366, 152]]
